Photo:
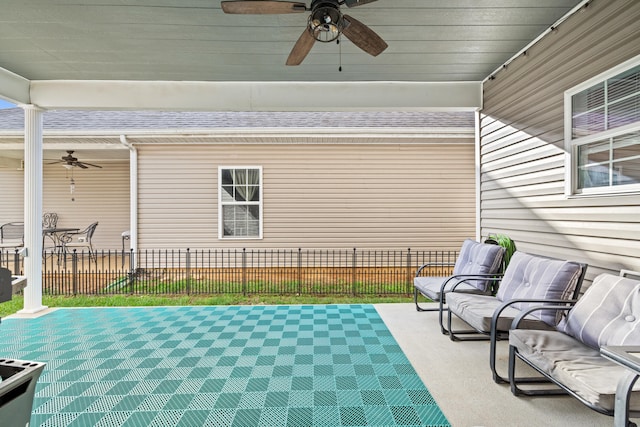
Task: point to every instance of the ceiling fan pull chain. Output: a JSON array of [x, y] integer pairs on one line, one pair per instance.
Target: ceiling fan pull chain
[[339, 54]]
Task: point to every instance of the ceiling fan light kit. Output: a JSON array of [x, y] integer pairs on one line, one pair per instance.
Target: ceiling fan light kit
[[325, 23]]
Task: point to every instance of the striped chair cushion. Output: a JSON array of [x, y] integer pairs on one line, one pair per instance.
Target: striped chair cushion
[[535, 277], [607, 314], [478, 258]]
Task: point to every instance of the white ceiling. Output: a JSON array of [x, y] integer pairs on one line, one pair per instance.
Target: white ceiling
[[44, 43]]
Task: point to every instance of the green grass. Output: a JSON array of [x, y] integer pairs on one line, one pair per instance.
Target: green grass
[[11, 307]]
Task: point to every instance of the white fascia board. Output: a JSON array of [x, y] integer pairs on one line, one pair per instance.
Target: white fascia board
[[257, 96], [14, 88]]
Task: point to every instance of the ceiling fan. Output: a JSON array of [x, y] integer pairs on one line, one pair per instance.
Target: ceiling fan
[[69, 161], [325, 23]]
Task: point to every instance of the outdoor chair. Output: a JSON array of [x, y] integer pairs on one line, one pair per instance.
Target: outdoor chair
[[12, 235], [79, 240], [528, 280], [475, 271], [569, 355], [49, 222]]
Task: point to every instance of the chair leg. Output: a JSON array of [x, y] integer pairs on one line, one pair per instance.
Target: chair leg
[[441, 311], [492, 359], [455, 335], [415, 300]]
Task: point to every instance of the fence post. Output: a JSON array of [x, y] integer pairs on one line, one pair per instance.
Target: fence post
[[354, 273], [188, 272], [74, 272], [409, 270], [131, 273], [299, 271], [244, 271]]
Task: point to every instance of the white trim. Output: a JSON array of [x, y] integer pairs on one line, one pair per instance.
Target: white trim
[[257, 96], [620, 68], [14, 87], [220, 216], [571, 144]]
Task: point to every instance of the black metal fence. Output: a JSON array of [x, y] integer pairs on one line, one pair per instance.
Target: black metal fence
[[236, 271]]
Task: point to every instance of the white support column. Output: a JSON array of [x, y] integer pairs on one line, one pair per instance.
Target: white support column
[[33, 209]]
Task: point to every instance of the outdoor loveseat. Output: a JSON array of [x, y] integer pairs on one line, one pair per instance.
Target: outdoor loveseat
[[608, 314], [475, 271], [528, 280]]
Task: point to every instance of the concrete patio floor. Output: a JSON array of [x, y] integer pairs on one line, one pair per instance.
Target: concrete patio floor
[[458, 376]]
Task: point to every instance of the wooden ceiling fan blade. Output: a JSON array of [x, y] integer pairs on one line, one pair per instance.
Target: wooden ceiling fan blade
[[363, 37], [354, 3], [262, 7], [301, 48], [88, 164]]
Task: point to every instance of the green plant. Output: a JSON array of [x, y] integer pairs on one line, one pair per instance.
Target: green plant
[[508, 245]]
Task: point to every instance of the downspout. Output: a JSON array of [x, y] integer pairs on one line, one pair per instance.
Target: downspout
[[133, 193]]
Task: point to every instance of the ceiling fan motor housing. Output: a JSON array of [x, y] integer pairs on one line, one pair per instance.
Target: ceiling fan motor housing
[[325, 22]]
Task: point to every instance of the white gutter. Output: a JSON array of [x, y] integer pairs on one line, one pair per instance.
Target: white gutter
[[133, 193]]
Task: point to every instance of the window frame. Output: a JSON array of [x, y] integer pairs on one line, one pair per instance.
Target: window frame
[[222, 203], [572, 144]]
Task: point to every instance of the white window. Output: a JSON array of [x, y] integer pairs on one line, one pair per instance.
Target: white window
[[240, 202], [602, 132]]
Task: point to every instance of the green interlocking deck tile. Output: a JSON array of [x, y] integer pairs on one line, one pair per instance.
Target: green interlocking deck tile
[[373, 398], [431, 416], [353, 416], [228, 400], [246, 417], [131, 403], [405, 415], [300, 417], [178, 401], [325, 416], [75, 389], [379, 416], [139, 419], [157, 374]]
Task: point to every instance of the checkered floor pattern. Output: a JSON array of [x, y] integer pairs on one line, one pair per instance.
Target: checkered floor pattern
[[316, 365]]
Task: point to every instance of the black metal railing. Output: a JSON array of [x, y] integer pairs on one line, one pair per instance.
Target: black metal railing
[[238, 271]]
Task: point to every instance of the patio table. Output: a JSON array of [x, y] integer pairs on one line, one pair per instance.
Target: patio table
[[629, 357], [55, 234]]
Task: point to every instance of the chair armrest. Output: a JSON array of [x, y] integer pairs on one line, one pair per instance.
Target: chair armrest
[[433, 264], [545, 305], [516, 322], [464, 278]]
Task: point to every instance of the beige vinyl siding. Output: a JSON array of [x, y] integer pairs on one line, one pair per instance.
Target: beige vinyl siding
[[382, 196], [12, 191], [100, 195], [522, 145]]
